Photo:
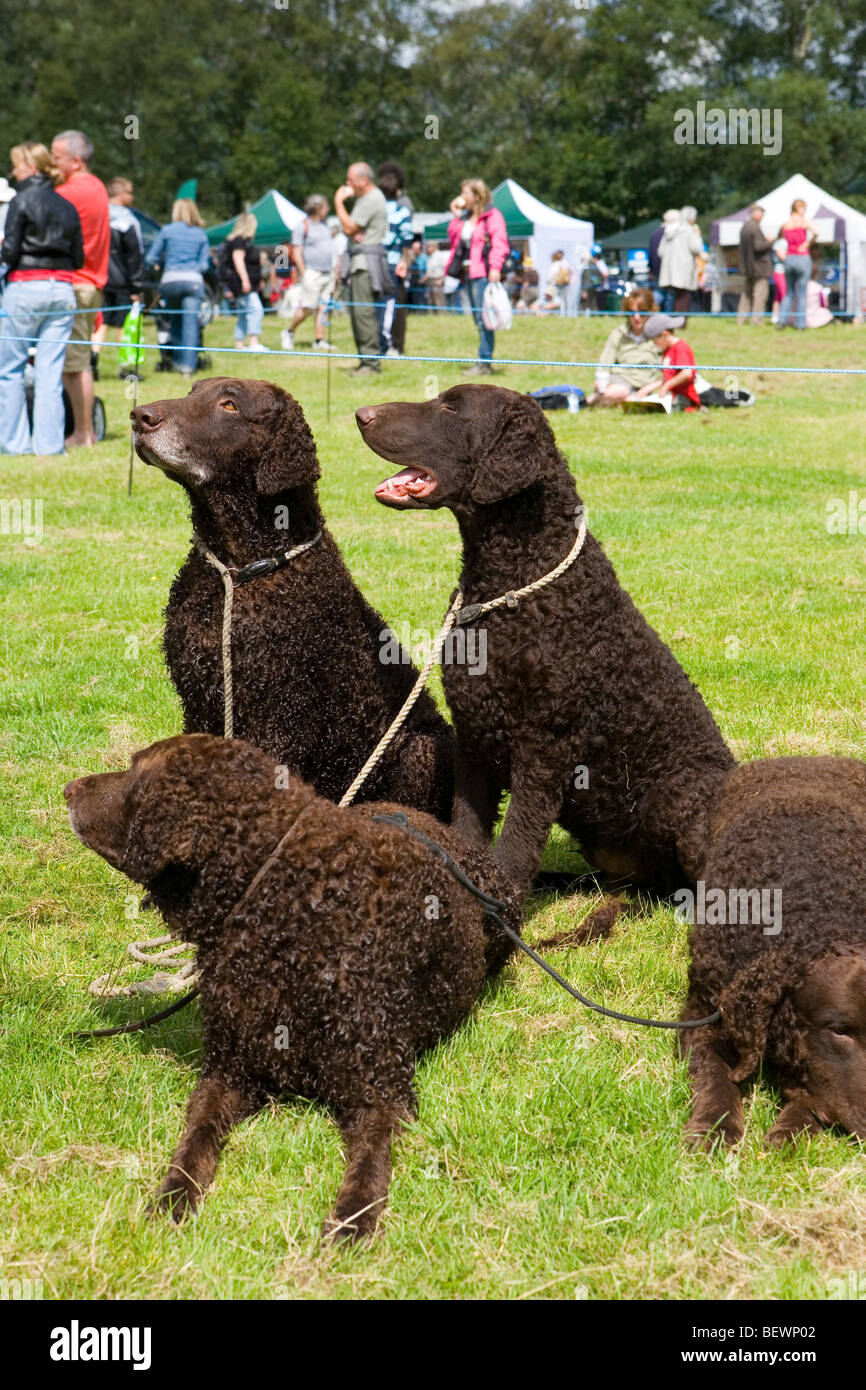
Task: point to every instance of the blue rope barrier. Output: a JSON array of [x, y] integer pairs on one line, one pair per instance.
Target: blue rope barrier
[[467, 312], [464, 361]]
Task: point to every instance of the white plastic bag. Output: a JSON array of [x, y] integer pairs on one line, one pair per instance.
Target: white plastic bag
[[496, 307]]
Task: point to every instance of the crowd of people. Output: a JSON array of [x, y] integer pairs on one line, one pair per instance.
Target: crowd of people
[[787, 262], [74, 264], [55, 255]]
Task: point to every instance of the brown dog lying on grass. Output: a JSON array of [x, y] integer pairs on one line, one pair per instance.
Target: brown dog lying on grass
[[356, 951], [791, 979]]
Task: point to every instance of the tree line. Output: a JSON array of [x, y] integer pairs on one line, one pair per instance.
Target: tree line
[[576, 99]]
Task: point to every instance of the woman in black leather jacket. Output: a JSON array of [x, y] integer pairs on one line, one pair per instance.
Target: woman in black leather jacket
[[40, 250]]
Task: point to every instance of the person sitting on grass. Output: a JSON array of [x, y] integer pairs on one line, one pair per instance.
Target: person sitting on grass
[[627, 344], [681, 379], [529, 290], [558, 280]]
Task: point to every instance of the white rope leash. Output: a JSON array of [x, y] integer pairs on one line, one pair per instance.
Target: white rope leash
[[513, 597], [148, 952], [458, 614], [414, 694], [228, 605]]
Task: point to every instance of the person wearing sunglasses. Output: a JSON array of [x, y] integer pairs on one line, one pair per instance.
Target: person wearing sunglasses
[[615, 378]]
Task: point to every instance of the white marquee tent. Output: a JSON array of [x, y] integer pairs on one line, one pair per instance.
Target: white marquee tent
[[551, 230], [835, 220], [545, 229]]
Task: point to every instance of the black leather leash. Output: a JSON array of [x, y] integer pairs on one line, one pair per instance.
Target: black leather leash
[[492, 906], [495, 908], [141, 1023]]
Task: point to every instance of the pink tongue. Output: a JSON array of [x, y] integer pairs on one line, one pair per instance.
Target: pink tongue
[[409, 482]]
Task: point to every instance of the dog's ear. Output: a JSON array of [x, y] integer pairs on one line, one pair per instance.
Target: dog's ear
[[508, 458], [288, 458], [748, 1005], [159, 837]]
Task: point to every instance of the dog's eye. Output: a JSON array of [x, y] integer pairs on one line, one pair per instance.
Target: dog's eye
[[841, 1031], [228, 405], [449, 408]]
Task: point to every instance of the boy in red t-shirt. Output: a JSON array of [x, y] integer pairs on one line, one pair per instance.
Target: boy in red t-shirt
[[678, 360]]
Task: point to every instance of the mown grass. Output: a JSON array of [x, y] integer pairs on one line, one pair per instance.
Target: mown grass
[[547, 1159]]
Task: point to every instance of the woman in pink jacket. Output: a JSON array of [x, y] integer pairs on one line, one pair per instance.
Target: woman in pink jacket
[[478, 240]]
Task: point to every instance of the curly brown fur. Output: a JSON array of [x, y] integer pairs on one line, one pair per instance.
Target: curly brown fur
[[794, 999], [575, 676], [356, 951], [309, 686], [597, 924]]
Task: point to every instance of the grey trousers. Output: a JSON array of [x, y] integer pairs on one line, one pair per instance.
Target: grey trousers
[[365, 320], [753, 298]]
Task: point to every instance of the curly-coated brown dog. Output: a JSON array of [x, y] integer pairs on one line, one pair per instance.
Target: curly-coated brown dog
[[582, 712], [355, 951], [779, 945], [310, 688]]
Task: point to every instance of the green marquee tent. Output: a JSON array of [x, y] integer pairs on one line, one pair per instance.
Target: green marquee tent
[[517, 224], [633, 238], [277, 218]]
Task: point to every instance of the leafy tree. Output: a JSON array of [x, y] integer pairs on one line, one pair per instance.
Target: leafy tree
[[577, 103]]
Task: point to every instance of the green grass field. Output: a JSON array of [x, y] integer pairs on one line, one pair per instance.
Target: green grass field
[[547, 1160]]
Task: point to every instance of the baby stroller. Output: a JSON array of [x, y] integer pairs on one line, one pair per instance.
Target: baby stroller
[[206, 313], [99, 423]]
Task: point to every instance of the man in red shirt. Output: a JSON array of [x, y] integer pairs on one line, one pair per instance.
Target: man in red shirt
[[72, 153], [678, 360]]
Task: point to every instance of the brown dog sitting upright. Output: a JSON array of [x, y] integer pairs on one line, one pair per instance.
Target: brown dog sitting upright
[[356, 951], [310, 688], [583, 712], [779, 946]]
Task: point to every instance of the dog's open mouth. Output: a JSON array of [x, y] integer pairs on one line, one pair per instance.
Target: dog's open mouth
[[410, 484]]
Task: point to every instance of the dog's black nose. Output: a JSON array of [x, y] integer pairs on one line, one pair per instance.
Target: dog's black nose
[[146, 417], [366, 415]]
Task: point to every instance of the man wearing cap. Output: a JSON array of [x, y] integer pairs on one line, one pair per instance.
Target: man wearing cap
[[678, 361]]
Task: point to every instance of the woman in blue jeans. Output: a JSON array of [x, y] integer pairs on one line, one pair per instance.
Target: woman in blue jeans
[[798, 235], [182, 249], [477, 236], [41, 248], [240, 270]]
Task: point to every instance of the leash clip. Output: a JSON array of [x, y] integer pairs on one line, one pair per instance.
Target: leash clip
[[511, 599], [468, 614], [256, 570]]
